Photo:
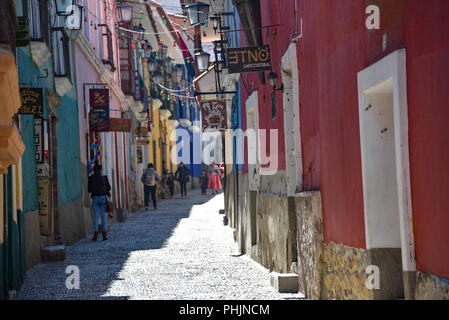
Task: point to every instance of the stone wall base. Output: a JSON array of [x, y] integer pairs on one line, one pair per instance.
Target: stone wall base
[[344, 275], [430, 287], [32, 239]]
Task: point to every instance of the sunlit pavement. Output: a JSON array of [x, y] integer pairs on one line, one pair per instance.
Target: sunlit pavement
[[180, 251]]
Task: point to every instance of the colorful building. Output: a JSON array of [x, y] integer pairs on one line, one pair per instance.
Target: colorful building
[[360, 147]]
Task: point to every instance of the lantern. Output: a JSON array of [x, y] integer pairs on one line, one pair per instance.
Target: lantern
[[168, 65], [139, 32], [215, 22], [152, 64], [162, 52], [75, 20], [124, 13], [157, 77], [198, 13], [147, 50], [177, 73], [272, 80], [64, 7], [202, 59]]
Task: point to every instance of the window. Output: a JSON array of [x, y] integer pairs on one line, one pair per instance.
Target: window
[[108, 56], [273, 104], [61, 55], [38, 19], [126, 66]]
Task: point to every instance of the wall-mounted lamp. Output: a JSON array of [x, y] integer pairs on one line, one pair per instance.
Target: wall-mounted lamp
[[147, 50], [64, 7], [157, 77], [75, 20], [272, 80], [124, 13], [152, 64], [198, 13], [202, 59]]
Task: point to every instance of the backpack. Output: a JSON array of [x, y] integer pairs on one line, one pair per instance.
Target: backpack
[[150, 178]]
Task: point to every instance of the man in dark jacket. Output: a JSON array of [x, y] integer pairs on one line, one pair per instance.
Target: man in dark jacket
[[183, 176]]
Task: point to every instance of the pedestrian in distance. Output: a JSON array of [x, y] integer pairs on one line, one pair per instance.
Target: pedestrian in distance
[[204, 179], [99, 188], [214, 182], [182, 175], [171, 184], [149, 179]]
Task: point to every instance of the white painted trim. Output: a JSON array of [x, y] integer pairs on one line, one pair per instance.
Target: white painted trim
[[252, 108], [292, 136], [393, 66]]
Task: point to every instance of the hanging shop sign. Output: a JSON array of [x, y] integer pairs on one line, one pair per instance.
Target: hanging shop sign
[[32, 101], [213, 115], [249, 59], [141, 131], [99, 110], [119, 125]]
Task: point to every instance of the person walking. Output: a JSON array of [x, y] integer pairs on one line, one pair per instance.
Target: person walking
[[149, 178], [182, 175], [99, 188], [214, 182], [204, 179], [171, 184]]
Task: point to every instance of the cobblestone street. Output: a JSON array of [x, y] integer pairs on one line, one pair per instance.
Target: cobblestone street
[[180, 251]]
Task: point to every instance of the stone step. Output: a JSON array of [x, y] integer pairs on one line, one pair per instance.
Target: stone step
[[54, 253], [285, 282]]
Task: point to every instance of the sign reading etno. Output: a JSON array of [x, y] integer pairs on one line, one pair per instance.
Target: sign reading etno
[[249, 59]]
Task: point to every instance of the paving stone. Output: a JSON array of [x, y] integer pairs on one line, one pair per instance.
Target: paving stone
[[182, 250]]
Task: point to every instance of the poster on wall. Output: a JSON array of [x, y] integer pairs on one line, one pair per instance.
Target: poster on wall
[[213, 114], [99, 110], [139, 154], [39, 139], [44, 200], [32, 101]]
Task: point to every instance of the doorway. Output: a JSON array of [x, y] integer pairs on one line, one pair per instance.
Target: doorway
[[385, 174]]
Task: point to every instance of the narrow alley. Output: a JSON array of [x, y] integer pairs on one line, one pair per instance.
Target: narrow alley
[[180, 251]]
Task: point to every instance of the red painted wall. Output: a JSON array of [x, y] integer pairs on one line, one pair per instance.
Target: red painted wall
[[335, 46]]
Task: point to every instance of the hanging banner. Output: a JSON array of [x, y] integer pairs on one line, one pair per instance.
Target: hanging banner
[[119, 125], [213, 114], [99, 110], [44, 200], [249, 59], [32, 101]]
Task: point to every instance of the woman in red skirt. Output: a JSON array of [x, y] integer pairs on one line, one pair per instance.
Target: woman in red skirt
[[214, 179]]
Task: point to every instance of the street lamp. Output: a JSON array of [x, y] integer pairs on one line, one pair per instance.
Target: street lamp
[[75, 20], [147, 50], [124, 13], [177, 73], [272, 80], [215, 22], [198, 13], [162, 52], [157, 77], [202, 59], [139, 32], [152, 64], [168, 65], [63, 7]]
